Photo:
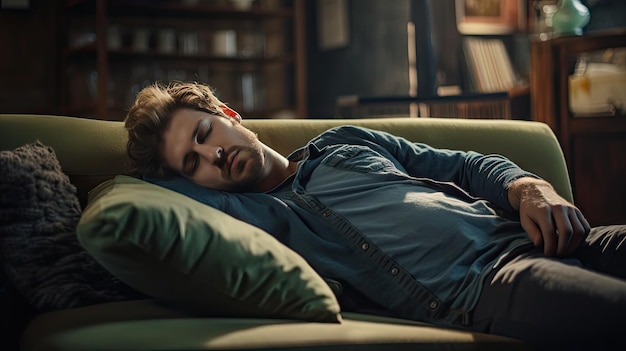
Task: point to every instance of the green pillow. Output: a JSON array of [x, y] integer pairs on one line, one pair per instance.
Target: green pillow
[[178, 250]]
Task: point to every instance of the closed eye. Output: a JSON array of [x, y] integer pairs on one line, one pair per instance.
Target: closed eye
[[190, 164], [199, 136], [203, 131]]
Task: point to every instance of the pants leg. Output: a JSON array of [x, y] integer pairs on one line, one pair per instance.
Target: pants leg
[[577, 303], [604, 250]]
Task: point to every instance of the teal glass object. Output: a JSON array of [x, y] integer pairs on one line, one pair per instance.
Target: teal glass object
[[570, 18]]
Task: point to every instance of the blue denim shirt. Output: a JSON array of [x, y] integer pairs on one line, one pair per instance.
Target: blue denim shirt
[[413, 228]]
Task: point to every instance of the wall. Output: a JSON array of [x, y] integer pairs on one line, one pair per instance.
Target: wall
[[446, 42], [28, 63], [606, 14], [373, 63]]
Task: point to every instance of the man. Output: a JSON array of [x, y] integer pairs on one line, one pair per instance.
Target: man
[[453, 238]]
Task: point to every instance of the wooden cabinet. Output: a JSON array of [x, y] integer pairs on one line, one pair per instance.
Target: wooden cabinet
[[253, 56], [594, 144]]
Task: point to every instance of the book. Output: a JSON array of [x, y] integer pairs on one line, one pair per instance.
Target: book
[[489, 67]]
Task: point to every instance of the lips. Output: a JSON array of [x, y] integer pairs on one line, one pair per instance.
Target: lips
[[232, 161]]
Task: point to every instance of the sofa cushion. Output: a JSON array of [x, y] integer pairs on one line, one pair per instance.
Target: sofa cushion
[[181, 251], [150, 325]]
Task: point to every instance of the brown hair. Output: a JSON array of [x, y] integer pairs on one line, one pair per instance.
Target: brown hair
[[150, 114]]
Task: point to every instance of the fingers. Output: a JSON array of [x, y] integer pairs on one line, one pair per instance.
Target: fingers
[[533, 231], [560, 229], [583, 221], [581, 230], [540, 230], [550, 239], [564, 239], [571, 229]]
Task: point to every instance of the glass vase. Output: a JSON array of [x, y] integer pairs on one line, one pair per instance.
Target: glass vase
[[570, 18]]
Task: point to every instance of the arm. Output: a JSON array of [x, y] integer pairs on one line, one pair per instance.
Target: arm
[[548, 218], [483, 176]]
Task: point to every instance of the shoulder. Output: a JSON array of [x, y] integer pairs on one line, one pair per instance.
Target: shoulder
[[348, 131], [354, 135]]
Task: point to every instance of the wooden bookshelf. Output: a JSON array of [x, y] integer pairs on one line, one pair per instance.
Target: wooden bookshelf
[[102, 67], [594, 145]]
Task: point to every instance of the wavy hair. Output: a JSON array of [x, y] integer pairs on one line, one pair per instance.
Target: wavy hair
[[150, 115]]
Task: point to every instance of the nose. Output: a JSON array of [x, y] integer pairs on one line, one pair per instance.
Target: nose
[[213, 154]]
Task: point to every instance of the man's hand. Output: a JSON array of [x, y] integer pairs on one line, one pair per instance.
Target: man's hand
[[548, 218]]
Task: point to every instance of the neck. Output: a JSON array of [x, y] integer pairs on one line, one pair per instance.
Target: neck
[[278, 168]]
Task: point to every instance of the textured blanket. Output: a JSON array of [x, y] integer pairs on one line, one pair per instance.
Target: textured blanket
[[40, 255]]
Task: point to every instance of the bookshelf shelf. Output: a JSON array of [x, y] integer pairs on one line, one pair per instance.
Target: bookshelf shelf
[[511, 104], [583, 126]]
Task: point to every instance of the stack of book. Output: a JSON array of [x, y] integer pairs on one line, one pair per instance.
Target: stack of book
[[489, 67]]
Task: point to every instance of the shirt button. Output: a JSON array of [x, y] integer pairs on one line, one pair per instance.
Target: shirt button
[[395, 271], [365, 246], [433, 304], [327, 213]]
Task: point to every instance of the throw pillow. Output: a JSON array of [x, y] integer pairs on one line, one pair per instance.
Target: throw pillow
[[181, 251], [40, 255]]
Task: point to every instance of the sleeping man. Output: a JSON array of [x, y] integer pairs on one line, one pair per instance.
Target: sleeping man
[[458, 239]]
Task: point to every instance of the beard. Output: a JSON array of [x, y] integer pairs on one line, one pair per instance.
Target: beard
[[254, 162]]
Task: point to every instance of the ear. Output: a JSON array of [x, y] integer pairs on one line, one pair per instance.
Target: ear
[[231, 113]]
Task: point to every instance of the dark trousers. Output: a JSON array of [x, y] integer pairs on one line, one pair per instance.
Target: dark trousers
[[576, 303]]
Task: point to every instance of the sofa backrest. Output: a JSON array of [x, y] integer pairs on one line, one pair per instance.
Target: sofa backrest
[[91, 151]]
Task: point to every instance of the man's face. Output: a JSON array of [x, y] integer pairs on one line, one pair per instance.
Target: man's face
[[213, 151]]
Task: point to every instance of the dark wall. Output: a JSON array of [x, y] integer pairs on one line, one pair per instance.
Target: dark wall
[[28, 59], [374, 62], [446, 42], [606, 14]]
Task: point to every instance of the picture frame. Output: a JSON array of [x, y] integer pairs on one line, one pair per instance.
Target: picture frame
[[332, 24], [490, 17]]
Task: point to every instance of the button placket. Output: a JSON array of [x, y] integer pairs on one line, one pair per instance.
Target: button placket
[[426, 299]]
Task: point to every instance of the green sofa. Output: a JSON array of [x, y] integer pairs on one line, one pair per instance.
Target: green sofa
[[92, 151]]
